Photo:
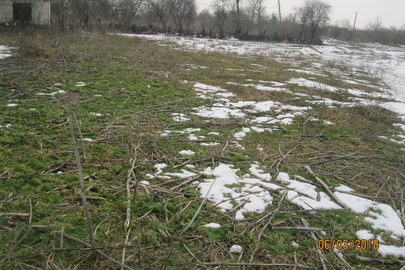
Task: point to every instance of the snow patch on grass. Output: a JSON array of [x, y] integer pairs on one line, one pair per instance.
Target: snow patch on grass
[[180, 117], [252, 194], [218, 112], [5, 52], [80, 84], [225, 187], [182, 175], [236, 249], [365, 234], [186, 152], [212, 225], [51, 94], [379, 215], [312, 84]]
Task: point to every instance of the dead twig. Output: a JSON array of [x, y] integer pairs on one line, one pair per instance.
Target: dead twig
[[334, 159], [401, 194], [77, 157], [45, 226], [320, 253], [336, 199], [296, 228], [29, 221], [372, 260], [96, 250], [259, 237], [191, 253], [186, 182], [198, 210], [79, 130], [340, 258], [15, 214], [256, 264], [128, 208]]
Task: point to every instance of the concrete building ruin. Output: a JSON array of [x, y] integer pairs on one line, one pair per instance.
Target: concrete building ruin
[[25, 11]]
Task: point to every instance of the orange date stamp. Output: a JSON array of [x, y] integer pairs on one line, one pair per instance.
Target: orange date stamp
[[357, 244]]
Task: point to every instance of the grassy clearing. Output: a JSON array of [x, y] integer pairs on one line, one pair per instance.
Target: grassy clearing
[[131, 88]]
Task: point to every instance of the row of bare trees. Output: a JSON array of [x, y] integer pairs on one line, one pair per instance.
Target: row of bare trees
[[230, 17], [251, 20], [126, 15], [374, 31], [245, 19]]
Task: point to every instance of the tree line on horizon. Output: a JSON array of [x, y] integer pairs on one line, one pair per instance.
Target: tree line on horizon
[[242, 19]]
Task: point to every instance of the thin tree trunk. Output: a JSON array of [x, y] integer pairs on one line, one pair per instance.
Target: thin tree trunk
[[237, 31]]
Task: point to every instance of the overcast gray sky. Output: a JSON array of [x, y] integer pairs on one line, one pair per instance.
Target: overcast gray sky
[[391, 12]]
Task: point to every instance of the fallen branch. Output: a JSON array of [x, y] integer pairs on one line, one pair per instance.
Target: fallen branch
[[185, 182], [182, 233], [259, 237], [96, 250], [373, 197], [372, 260], [401, 194], [334, 159], [191, 253], [319, 251], [336, 199], [30, 219], [95, 198], [5, 175], [198, 210], [15, 214], [143, 247], [45, 226], [340, 258], [256, 264], [307, 211], [296, 228], [79, 130], [128, 208], [77, 157]]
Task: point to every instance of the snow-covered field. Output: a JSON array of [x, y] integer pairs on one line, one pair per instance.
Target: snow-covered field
[[253, 192], [385, 62], [382, 62]]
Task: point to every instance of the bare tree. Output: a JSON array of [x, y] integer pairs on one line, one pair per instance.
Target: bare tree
[[182, 12], [377, 32], [205, 22], [238, 28], [256, 13], [159, 9], [375, 25], [128, 9], [221, 12], [59, 13], [313, 15], [78, 9]]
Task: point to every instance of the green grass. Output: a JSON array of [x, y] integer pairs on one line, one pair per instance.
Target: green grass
[[139, 91]]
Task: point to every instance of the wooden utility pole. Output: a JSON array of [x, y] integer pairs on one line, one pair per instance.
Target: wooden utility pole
[[355, 20], [279, 11]]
